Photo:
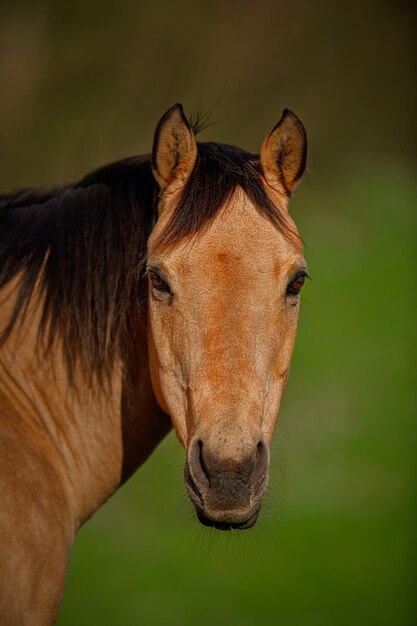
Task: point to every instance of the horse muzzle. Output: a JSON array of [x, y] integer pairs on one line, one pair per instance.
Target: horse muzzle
[[226, 493]]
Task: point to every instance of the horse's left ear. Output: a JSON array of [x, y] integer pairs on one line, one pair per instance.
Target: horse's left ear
[[284, 153], [174, 149]]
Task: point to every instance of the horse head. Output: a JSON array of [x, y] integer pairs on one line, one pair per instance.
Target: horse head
[[225, 267]]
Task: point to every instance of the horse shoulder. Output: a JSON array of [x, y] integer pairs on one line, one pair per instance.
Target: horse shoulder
[[36, 531]]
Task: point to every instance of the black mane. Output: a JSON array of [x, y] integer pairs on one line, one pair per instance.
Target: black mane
[[84, 245]]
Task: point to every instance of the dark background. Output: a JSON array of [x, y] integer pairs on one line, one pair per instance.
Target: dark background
[[83, 83]]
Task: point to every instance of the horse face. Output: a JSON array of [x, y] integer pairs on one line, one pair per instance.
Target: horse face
[[223, 309]]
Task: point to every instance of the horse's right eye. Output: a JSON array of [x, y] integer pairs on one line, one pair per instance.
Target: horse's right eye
[[157, 282]]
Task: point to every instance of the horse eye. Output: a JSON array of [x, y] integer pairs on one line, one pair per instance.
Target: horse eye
[[157, 282], [294, 288]]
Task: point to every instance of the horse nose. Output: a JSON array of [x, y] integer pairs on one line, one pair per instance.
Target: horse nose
[[206, 469]]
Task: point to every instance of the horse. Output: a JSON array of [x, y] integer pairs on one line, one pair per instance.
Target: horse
[[159, 291]]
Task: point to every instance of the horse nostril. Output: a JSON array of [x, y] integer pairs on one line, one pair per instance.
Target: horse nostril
[[196, 465], [201, 460], [261, 462]]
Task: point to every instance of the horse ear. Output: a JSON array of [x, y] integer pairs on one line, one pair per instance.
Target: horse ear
[[174, 149], [284, 153]]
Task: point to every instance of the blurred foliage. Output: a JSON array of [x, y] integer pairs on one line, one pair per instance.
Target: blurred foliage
[[83, 83]]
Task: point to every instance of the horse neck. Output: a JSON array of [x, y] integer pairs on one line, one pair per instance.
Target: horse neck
[[93, 436]]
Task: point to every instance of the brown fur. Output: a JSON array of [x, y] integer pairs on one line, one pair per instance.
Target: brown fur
[[80, 412]]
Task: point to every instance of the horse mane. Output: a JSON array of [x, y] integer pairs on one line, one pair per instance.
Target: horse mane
[[82, 247]]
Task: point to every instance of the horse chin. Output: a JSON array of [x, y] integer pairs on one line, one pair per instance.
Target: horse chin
[[223, 524]]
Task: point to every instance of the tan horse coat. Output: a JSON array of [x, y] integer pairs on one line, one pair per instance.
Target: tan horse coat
[[222, 310]]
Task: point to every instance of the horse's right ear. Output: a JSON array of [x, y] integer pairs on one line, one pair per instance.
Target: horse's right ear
[[284, 153], [174, 149]]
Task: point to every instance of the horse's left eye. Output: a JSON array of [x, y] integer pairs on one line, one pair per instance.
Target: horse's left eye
[[157, 282], [294, 288]]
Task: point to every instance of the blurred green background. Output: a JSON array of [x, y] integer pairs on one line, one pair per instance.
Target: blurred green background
[[83, 83]]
